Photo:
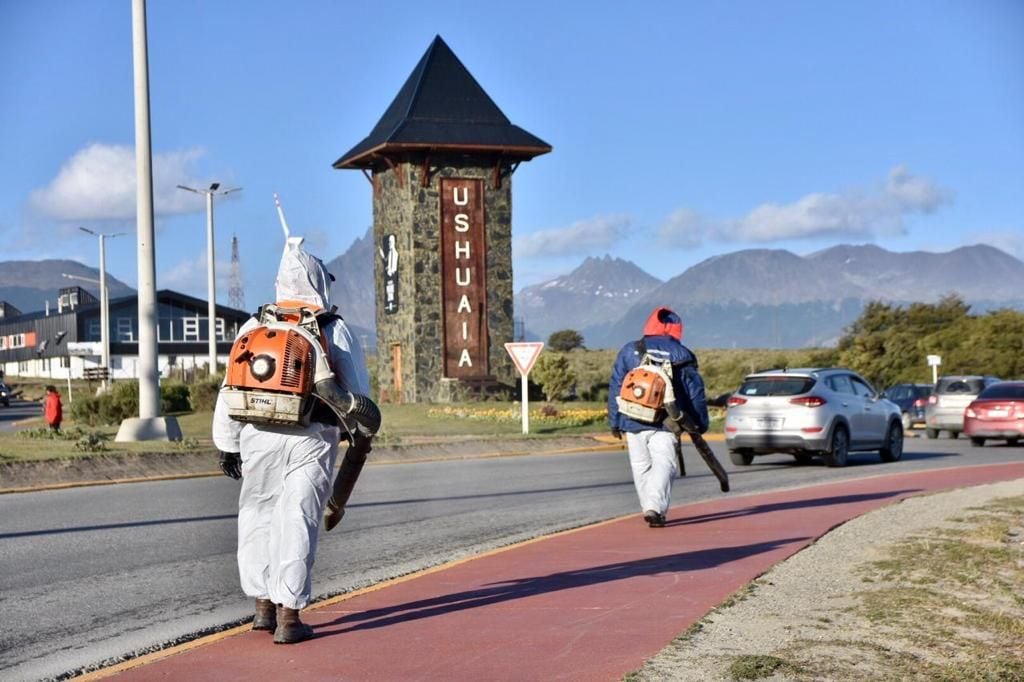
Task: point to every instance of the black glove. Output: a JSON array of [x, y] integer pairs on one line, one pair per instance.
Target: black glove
[[361, 445], [687, 424], [231, 464], [673, 426], [616, 432]]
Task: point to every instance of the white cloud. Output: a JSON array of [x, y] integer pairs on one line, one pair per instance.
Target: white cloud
[[98, 183], [685, 228], [582, 237], [189, 277], [854, 213]]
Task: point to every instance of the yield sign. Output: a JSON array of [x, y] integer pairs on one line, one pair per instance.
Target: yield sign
[[524, 354]]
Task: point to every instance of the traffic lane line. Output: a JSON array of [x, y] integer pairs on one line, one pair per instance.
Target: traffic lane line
[[593, 603], [607, 444]]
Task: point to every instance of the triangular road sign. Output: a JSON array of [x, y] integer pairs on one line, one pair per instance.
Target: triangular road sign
[[524, 354]]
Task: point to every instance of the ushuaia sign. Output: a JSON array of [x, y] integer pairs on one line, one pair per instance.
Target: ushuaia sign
[[463, 278]]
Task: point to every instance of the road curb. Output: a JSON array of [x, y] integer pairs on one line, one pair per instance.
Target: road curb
[[602, 443]]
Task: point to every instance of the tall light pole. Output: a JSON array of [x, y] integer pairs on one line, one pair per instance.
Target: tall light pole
[[149, 425], [104, 296], [211, 279]]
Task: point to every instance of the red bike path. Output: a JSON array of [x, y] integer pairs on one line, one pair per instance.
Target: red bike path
[[588, 604]]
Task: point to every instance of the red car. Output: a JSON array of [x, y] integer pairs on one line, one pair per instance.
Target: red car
[[997, 413]]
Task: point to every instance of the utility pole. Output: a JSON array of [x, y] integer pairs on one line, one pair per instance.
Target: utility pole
[[104, 298], [211, 278], [149, 425]]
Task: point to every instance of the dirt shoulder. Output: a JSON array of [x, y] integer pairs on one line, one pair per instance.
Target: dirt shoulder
[[930, 588], [100, 468]]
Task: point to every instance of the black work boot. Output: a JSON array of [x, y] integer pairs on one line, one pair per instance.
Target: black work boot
[[654, 519], [289, 628], [266, 615]]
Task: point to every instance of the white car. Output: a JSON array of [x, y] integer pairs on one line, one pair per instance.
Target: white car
[[826, 412]]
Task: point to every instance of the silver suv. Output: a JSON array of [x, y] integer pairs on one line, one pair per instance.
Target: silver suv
[[826, 412], [946, 404]]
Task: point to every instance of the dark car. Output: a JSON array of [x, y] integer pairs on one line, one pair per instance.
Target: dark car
[[912, 399], [996, 414], [5, 395]]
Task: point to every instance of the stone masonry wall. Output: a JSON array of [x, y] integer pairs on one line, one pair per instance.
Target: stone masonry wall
[[404, 208]]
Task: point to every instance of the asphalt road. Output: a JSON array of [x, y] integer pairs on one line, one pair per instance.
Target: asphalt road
[[18, 410], [94, 574]]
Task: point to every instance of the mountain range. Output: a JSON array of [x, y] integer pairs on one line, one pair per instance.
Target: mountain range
[[29, 284], [748, 299], [775, 298]]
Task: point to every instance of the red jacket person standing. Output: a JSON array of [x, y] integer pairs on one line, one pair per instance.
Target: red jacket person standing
[[53, 409]]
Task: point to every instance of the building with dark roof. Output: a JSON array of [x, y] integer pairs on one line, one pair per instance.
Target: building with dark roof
[[51, 343], [442, 108]]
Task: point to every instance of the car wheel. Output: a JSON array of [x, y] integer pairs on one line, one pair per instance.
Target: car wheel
[[839, 449], [953, 435], [931, 433], [742, 458], [892, 451], [977, 442], [906, 421]]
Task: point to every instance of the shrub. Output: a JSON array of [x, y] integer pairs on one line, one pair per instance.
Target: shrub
[[203, 394], [122, 401], [91, 442], [174, 397], [554, 375]]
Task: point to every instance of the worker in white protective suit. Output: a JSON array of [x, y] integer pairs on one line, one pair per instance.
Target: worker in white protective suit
[[286, 470]]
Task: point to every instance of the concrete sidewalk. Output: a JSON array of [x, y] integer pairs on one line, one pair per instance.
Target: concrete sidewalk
[[589, 604]]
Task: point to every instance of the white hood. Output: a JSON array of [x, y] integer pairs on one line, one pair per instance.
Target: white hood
[[302, 276]]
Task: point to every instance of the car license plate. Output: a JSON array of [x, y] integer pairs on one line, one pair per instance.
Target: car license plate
[[770, 422], [998, 413]]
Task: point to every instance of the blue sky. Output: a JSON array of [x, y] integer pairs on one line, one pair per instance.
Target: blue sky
[[681, 130]]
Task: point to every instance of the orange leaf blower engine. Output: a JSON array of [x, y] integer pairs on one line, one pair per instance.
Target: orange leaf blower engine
[[277, 369], [647, 394]]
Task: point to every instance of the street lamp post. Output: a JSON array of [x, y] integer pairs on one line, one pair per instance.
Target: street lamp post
[[104, 297], [211, 280]]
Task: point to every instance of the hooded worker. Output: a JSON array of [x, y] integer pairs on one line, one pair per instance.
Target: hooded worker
[[286, 470], [652, 445]]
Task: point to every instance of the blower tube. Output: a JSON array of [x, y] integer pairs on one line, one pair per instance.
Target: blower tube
[[352, 409]]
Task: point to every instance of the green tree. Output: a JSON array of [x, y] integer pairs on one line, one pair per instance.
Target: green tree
[[565, 340], [888, 343], [553, 374]]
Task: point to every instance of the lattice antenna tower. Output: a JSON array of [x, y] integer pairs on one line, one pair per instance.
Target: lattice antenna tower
[[236, 295]]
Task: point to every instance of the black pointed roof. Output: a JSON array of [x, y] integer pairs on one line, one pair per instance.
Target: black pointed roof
[[442, 107]]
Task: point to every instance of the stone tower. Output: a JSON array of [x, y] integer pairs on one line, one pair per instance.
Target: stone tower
[[440, 161]]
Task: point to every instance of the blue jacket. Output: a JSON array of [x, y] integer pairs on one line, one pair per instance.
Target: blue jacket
[[686, 382]]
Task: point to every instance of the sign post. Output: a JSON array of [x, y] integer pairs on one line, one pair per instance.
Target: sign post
[[934, 361], [524, 354]]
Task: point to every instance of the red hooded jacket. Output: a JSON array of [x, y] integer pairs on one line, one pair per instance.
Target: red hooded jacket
[[53, 409]]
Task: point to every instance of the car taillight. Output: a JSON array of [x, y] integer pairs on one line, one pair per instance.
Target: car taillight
[[932, 399], [920, 402], [808, 401], [970, 412], [735, 400]]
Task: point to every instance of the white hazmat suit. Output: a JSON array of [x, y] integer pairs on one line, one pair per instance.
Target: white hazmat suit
[[287, 470]]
